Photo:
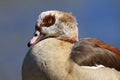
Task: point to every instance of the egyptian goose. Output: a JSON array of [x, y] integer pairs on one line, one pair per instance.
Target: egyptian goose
[[56, 53]]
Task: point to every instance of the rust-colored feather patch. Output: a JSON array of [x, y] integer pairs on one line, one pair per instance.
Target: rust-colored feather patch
[[69, 40], [107, 46], [47, 22]]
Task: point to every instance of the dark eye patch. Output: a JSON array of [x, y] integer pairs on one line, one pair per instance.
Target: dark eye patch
[[48, 20]]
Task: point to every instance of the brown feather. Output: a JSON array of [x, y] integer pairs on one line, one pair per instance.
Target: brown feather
[[107, 46], [87, 52]]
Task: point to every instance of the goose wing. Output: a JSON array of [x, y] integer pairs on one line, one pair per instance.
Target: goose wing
[[92, 52]]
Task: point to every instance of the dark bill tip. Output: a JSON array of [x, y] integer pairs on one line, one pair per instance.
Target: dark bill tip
[[28, 44]]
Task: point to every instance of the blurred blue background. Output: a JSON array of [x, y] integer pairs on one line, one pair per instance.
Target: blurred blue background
[[96, 18]]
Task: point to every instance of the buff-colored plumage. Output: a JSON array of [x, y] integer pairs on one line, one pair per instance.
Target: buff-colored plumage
[[50, 58]]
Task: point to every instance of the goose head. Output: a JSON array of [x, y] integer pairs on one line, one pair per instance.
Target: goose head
[[55, 24]]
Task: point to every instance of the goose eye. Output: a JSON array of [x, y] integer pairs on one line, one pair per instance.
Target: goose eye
[[49, 20], [35, 34]]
